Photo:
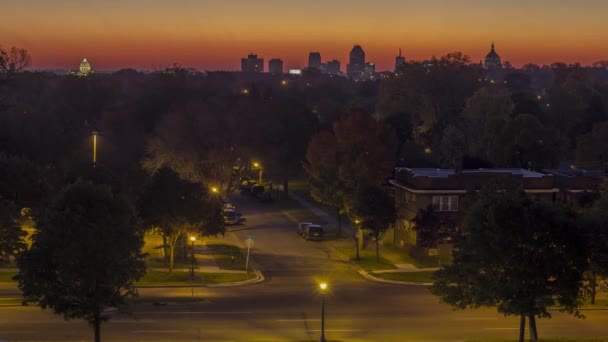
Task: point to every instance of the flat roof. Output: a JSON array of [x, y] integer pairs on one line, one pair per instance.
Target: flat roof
[[444, 173]]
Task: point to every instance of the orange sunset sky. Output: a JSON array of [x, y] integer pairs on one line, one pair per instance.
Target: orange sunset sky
[[214, 35]]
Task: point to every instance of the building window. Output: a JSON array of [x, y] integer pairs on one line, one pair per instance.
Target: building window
[[445, 203]]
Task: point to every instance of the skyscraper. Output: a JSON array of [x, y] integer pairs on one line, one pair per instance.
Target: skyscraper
[[399, 61], [275, 66], [314, 60], [252, 63], [370, 71], [333, 67], [356, 67]]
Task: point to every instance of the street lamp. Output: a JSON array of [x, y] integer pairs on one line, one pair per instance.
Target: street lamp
[[322, 287], [214, 190], [94, 148], [192, 238], [259, 167], [357, 237]]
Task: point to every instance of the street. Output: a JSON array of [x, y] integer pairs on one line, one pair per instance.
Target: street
[[286, 306]]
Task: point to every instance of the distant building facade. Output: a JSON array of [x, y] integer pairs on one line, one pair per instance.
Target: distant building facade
[[356, 67], [492, 60], [370, 71], [275, 66], [399, 61], [314, 60], [333, 67], [252, 63]]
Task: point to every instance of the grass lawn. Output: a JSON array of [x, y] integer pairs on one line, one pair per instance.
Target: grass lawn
[[7, 277], [223, 255], [10, 301], [415, 277], [160, 263], [591, 339], [183, 278], [367, 258]]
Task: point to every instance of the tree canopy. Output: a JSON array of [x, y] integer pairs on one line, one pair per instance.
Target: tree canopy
[[517, 254], [85, 256]]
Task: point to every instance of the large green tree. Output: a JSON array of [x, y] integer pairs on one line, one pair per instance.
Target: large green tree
[[85, 256], [174, 207], [12, 237], [375, 212], [520, 255]]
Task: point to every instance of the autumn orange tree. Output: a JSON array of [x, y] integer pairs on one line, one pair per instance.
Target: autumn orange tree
[[359, 151]]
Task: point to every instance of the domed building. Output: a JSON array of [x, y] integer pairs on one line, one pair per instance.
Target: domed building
[[85, 68], [492, 60]]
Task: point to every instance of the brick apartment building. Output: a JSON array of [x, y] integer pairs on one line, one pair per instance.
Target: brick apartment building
[[446, 191]]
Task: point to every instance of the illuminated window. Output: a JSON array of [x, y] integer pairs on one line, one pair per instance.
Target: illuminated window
[[445, 203]]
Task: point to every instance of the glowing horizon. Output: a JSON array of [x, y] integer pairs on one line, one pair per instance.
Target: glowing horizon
[[215, 35]]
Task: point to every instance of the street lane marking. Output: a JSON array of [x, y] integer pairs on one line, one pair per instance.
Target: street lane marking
[[194, 312], [337, 330], [475, 319]]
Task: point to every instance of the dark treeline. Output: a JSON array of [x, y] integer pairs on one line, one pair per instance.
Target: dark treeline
[[446, 112]]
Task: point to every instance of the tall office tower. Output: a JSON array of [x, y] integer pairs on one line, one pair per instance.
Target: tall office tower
[[275, 66], [252, 63], [356, 67], [314, 60]]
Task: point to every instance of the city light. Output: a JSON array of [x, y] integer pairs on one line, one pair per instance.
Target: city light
[[323, 286]]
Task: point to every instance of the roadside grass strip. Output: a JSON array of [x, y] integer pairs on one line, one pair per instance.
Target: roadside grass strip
[[11, 302], [592, 339], [7, 277], [367, 260], [160, 278], [414, 277], [227, 257]]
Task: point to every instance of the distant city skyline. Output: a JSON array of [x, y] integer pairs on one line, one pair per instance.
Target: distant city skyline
[[215, 35]]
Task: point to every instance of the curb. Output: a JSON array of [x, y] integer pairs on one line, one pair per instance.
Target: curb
[[258, 279], [370, 277]]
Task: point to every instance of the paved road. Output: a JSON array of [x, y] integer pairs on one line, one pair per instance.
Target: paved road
[[286, 306]]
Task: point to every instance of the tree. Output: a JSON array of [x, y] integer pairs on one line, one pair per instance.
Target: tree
[[527, 144], [431, 228], [325, 186], [518, 254], [375, 211], [85, 256], [14, 60], [591, 150], [358, 152], [12, 240], [174, 208], [595, 228]]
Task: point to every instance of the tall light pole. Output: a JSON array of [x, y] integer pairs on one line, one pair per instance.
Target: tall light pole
[[192, 238], [322, 287], [94, 148], [259, 167], [357, 237]]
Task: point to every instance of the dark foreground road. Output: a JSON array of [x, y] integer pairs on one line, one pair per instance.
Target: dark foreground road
[[286, 307]]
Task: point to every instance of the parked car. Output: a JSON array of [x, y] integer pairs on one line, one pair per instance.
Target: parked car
[[301, 225], [231, 217], [257, 189], [313, 232], [228, 205], [264, 196]]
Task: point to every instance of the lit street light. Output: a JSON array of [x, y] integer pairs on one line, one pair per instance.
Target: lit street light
[[357, 237], [322, 287], [192, 238], [94, 148], [259, 167], [214, 190]]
